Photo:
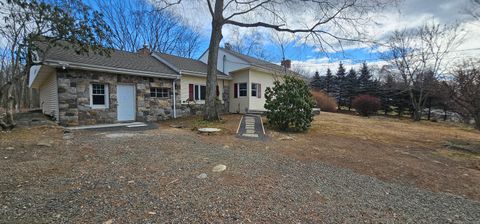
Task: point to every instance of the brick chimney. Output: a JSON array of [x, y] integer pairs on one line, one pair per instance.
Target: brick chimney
[[144, 51], [286, 63]]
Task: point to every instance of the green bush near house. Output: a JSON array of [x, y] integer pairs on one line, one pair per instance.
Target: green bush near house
[[289, 105]]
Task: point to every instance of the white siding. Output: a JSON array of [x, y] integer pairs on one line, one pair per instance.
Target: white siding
[[232, 63], [49, 96], [266, 80], [186, 80], [240, 104]]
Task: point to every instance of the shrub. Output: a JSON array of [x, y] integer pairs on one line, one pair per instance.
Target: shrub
[[366, 105], [289, 105], [324, 101]]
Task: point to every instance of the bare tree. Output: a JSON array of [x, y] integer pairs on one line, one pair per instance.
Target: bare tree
[[248, 43], [333, 21], [25, 24], [135, 23], [418, 56], [465, 89], [474, 9]]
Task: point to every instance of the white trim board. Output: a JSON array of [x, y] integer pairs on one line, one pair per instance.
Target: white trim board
[[86, 127]]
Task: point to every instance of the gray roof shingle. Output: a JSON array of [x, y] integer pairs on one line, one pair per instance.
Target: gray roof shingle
[[258, 62], [117, 59], [186, 64]]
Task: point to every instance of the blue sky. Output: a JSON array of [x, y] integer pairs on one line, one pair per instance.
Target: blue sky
[[407, 14]]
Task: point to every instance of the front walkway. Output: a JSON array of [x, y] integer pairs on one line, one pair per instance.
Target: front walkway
[[251, 127]]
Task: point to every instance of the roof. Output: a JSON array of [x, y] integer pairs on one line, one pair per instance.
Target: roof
[[117, 60], [186, 64], [258, 62]]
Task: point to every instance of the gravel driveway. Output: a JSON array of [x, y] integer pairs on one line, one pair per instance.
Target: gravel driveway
[[151, 177]]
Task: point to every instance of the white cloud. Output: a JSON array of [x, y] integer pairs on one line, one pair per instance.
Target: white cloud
[[407, 14]]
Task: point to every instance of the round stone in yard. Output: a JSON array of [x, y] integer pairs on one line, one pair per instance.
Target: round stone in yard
[[219, 168], [202, 176], [209, 130]]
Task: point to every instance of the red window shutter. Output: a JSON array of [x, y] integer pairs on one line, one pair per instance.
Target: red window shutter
[[235, 90], [218, 91], [190, 91], [259, 90]]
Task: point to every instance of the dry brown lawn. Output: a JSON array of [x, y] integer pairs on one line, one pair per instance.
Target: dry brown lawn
[[394, 150]]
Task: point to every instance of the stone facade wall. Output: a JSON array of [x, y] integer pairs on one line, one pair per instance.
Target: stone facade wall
[[74, 97], [197, 109]]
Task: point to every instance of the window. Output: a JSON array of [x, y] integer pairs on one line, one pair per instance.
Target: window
[[98, 96], [200, 92], [254, 89], [160, 92], [257, 90], [242, 89]]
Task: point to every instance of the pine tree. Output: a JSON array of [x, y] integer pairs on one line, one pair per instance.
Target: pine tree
[[351, 87], [364, 80], [329, 83], [340, 81], [316, 82]]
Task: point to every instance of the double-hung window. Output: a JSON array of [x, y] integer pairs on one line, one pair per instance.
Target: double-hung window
[[200, 92], [242, 89], [254, 89], [98, 95], [160, 92]]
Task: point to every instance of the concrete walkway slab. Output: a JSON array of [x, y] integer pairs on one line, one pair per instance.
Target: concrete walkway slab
[[251, 127]]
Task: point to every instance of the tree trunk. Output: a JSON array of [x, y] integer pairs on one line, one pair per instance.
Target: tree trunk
[[429, 111], [211, 112], [417, 114], [444, 113], [7, 122], [476, 118]]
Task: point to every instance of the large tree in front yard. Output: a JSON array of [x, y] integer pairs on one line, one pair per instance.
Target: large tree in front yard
[[465, 89], [25, 23], [326, 23], [418, 55]]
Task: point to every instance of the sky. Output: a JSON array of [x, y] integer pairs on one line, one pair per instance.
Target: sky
[[405, 14]]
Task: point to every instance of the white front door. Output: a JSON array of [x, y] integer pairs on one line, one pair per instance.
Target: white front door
[[125, 102]]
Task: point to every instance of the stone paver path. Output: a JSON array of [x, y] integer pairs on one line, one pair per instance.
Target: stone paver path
[[251, 126]]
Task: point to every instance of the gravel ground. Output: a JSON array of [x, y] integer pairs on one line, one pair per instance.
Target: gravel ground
[[151, 177]]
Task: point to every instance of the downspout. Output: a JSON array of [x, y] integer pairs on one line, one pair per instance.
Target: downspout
[[223, 66], [174, 100]]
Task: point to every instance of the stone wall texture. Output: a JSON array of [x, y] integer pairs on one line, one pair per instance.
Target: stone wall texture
[[74, 98]]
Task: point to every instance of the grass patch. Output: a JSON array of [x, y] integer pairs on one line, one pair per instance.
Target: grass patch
[[464, 146]]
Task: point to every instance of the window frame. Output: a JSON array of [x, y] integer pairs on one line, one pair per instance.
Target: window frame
[[156, 92], [252, 89], [105, 95], [239, 89], [199, 86]]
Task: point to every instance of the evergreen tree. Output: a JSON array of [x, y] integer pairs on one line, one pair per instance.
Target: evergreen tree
[[316, 82], [329, 83], [387, 94], [364, 80], [351, 87], [340, 85]]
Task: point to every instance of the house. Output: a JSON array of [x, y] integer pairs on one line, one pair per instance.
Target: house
[[85, 89], [90, 89], [250, 78], [193, 78]]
